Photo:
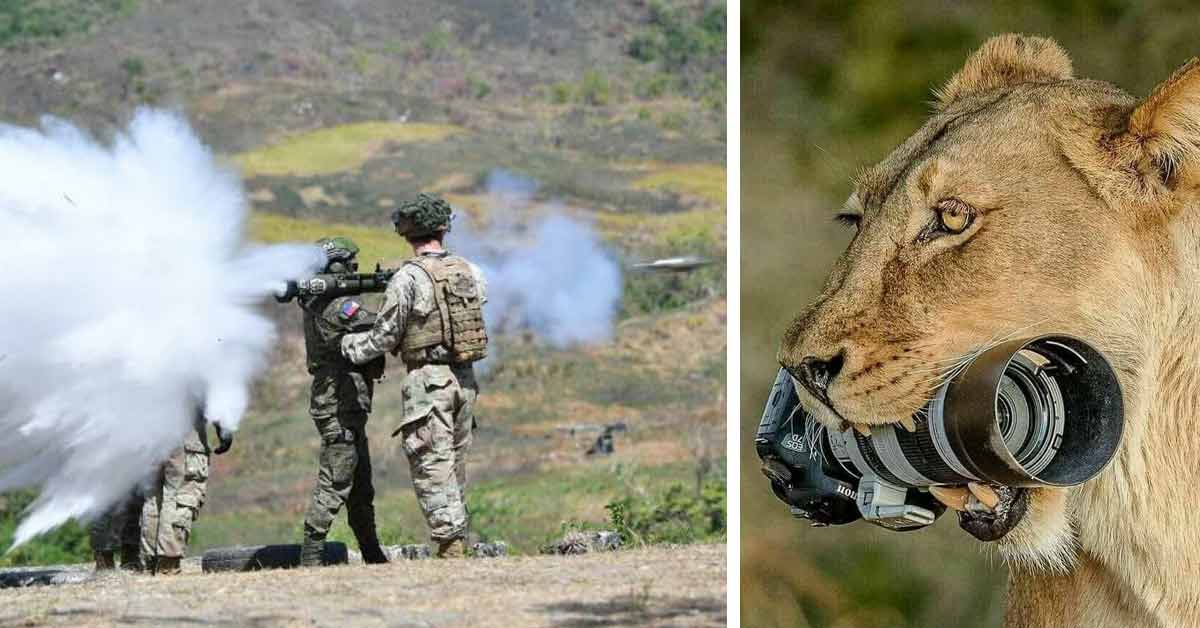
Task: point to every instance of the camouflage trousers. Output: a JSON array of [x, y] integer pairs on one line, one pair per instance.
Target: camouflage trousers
[[120, 526], [343, 478], [176, 493], [439, 420]]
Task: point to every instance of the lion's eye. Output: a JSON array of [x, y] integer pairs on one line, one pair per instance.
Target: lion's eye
[[849, 219], [954, 216]]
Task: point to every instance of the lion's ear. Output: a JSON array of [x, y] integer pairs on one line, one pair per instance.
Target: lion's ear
[[1163, 134], [1006, 61]]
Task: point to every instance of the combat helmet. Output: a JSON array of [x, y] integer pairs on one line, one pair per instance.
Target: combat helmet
[[424, 216], [341, 254]]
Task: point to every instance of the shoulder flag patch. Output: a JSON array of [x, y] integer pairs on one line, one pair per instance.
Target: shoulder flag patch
[[350, 308]]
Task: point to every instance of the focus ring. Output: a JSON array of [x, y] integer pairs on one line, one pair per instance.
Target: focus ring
[[920, 452], [872, 458]]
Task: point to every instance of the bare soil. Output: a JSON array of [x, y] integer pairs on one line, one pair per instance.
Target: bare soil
[[659, 586]]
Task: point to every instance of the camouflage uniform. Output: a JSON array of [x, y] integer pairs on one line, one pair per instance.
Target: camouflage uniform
[[439, 388], [340, 402], [173, 501]]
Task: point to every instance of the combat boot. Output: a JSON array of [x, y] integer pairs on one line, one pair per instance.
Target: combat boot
[[454, 548], [104, 560], [130, 560], [310, 552], [168, 566]]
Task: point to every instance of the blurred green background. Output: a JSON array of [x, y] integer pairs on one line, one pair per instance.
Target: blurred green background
[[829, 87]]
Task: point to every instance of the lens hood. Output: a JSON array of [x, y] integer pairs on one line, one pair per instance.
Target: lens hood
[[965, 421]]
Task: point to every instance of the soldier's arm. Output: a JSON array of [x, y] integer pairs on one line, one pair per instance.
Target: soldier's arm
[[388, 327], [348, 315]]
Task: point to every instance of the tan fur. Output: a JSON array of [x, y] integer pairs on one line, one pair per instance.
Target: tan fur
[[1088, 223], [1004, 61]]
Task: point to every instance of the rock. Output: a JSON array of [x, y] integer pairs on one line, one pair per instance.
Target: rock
[[585, 542]]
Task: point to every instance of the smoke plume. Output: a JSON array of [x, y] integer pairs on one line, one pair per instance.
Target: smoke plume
[[129, 302], [553, 278]]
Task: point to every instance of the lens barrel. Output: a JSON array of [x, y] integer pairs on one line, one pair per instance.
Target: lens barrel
[[1045, 411]]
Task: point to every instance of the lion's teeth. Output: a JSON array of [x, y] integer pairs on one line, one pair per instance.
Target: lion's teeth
[[909, 424], [986, 494], [862, 429], [952, 496]]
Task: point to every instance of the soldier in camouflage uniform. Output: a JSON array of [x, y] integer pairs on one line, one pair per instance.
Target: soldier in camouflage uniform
[[340, 402], [119, 528], [175, 496], [432, 318]]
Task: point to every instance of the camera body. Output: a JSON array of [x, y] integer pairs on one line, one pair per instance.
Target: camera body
[[1043, 411]]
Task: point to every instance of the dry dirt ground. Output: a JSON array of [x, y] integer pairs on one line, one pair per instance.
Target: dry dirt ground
[[659, 586]]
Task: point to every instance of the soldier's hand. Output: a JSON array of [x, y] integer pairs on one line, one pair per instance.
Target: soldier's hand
[[226, 436]]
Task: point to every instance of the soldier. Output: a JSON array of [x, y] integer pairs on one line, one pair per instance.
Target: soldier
[[176, 493], [432, 318], [119, 528], [340, 403]]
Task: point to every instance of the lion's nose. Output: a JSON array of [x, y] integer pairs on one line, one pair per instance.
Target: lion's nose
[[815, 373]]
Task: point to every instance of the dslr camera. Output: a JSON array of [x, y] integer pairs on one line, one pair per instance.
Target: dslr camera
[[1042, 411]]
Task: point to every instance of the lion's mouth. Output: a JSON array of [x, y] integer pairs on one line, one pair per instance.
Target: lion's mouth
[[1001, 519], [987, 512]]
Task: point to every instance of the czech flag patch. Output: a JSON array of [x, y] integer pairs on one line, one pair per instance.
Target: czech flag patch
[[350, 308]]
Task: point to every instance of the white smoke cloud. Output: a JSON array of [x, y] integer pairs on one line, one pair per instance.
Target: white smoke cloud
[[554, 278], [129, 299]]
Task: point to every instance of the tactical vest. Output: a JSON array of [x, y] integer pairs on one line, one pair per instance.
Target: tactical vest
[[456, 323], [318, 355]]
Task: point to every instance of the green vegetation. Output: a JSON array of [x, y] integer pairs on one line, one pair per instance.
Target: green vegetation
[[686, 43], [652, 87], [594, 90], [478, 87], [435, 42], [527, 510], [337, 149], [704, 180], [37, 20], [65, 545], [676, 515], [677, 36], [375, 244]]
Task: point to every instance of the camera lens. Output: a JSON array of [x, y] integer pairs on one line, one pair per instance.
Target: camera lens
[[1029, 411], [1006, 419], [1004, 416]]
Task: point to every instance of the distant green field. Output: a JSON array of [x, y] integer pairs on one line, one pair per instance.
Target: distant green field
[[704, 180], [375, 244], [336, 149]]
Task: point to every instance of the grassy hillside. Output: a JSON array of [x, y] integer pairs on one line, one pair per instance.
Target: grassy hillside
[[334, 111], [830, 87]]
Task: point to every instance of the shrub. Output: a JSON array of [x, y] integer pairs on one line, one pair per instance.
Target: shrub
[[677, 515], [64, 545], [653, 87], [435, 42], [480, 88], [560, 93], [676, 36], [595, 89], [22, 21]]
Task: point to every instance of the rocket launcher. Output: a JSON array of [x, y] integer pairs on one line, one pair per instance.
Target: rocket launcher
[[335, 285]]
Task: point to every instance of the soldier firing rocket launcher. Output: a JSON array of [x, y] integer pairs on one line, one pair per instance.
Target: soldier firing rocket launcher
[[335, 285]]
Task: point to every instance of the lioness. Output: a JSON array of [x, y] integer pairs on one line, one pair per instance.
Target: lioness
[[1034, 202]]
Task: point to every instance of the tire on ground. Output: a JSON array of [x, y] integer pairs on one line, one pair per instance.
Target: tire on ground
[[256, 557]]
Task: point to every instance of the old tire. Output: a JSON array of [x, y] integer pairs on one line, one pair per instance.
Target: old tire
[[255, 557]]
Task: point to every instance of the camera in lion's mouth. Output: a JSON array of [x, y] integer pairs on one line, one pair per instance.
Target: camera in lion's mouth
[[1044, 411]]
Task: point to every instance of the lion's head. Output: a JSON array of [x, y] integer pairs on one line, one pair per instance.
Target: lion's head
[[1030, 202]]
